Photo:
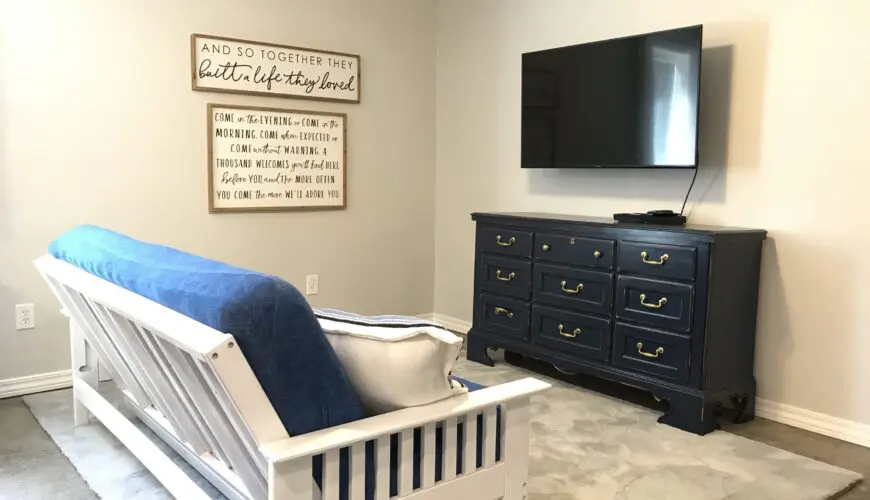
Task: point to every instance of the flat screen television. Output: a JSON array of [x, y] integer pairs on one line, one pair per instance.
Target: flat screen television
[[628, 102]]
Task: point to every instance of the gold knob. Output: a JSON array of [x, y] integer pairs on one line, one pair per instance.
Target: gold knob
[[545, 248], [597, 254]]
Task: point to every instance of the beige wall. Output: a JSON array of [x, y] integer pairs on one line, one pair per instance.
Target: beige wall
[[98, 124], [785, 137]]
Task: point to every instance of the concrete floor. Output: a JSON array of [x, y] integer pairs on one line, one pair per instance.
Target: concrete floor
[[32, 467]]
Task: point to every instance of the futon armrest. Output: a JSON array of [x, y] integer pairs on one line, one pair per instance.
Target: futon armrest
[[363, 430]]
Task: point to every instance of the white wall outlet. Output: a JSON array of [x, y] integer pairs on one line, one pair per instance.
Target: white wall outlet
[[312, 284], [24, 317]]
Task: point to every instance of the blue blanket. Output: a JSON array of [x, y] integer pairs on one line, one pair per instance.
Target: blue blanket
[[271, 321]]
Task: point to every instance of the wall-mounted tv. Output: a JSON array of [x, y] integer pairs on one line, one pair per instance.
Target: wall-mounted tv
[[628, 102]]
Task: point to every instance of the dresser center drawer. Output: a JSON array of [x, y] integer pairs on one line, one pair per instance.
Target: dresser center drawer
[[574, 250], [578, 334], [573, 288]]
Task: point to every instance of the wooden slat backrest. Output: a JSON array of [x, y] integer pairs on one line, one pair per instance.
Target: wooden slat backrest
[[195, 376]]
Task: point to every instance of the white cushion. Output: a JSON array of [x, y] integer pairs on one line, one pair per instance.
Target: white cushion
[[393, 362]]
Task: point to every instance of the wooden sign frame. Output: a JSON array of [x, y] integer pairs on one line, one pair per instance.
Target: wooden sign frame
[[322, 53], [210, 164]]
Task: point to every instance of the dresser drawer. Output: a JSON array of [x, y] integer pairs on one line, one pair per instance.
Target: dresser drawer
[[666, 261], [563, 249], [506, 242], [656, 303], [576, 334], [503, 316], [658, 353], [590, 291], [505, 276]]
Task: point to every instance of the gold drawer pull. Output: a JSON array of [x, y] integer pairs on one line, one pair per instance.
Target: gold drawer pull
[[572, 290], [597, 254], [545, 247], [570, 335], [504, 278], [643, 302], [502, 310], [507, 243], [659, 351], [645, 258]]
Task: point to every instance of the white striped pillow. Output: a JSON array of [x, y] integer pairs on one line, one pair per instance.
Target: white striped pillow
[[393, 362]]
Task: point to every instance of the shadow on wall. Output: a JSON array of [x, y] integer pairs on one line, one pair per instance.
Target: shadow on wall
[[774, 339], [805, 305], [721, 146]]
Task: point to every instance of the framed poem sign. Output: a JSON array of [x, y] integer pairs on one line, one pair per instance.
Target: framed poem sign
[[220, 64], [269, 159]]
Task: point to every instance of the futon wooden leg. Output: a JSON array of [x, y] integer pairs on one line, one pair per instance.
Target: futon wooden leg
[[83, 370]]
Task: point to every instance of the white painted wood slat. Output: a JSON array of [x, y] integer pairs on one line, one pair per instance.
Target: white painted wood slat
[[330, 482], [469, 446], [406, 462], [358, 471], [382, 466], [451, 449], [427, 454], [489, 436]]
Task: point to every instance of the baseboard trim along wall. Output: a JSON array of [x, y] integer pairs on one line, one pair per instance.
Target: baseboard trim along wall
[[30, 384], [453, 324], [820, 423]]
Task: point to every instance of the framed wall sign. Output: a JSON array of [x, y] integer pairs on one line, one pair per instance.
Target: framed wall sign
[[269, 159], [220, 64]]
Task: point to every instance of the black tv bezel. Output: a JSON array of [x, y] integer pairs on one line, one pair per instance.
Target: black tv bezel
[[700, 28]]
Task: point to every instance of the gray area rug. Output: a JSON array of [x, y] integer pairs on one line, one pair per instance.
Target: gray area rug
[[30, 466], [585, 445], [108, 467]]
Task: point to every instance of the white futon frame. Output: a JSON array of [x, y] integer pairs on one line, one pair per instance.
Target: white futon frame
[[193, 387]]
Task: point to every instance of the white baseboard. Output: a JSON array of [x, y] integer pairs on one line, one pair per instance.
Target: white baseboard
[[453, 324], [820, 423], [35, 383]]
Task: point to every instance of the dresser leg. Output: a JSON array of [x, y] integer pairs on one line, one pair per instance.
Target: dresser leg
[[745, 406], [477, 350], [691, 414]]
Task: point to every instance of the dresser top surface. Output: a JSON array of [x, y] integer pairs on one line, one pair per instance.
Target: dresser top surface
[[609, 222]]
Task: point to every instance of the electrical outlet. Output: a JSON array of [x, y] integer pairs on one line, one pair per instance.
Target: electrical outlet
[[24, 317], [312, 284]]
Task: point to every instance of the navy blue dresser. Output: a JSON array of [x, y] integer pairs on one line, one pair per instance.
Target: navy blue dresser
[[669, 309]]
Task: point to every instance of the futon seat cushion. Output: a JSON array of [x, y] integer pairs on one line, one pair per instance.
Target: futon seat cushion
[[271, 321]]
